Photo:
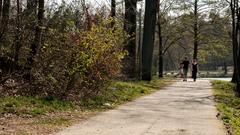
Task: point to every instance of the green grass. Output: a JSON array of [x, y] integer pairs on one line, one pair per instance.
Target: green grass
[[228, 105], [121, 92], [32, 106]]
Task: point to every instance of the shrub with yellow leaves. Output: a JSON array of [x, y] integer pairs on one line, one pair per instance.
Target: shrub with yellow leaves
[[75, 64]]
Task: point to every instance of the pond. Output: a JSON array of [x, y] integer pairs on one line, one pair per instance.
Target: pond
[[220, 79]]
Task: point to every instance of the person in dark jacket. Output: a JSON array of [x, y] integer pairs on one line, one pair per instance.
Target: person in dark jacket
[[194, 69]]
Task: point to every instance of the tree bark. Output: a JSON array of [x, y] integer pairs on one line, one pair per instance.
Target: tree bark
[[5, 18], [113, 11], [234, 39], [148, 38], [1, 2], [195, 54], [113, 8], [17, 36], [38, 33], [140, 46], [238, 46], [129, 66], [160, 66], [225, 68]]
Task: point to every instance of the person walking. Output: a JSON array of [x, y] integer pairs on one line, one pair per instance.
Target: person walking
[[194, 69], [185, 68]]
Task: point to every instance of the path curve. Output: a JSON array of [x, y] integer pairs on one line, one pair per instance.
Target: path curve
[[183, 108]]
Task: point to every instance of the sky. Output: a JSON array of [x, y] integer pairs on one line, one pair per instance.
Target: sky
[[93, 2]]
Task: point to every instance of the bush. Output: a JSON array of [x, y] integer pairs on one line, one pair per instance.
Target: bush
[[75, 64]]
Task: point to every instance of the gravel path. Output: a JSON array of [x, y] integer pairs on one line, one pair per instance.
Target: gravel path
[[184, 108]]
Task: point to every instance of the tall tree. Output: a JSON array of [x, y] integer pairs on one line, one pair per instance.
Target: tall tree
[[139, 53], [160, 55], [129, 65], [1, 9], [236, 40], [233, 6], [17, 45], [197, 9], [38, 33], [195, 29], [148, 38], [5, 18], [163, 8], [113, 10]]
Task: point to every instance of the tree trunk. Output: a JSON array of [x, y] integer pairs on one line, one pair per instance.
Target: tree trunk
[[113, 11], [148, 38], [140, 46], [1, 2], [234, 40], [195, 54], [238, 47], [129, 66], [160, 66], [225, 68], [17, 37], [238, 88], [38, 33], [113, 8], [5, 18]]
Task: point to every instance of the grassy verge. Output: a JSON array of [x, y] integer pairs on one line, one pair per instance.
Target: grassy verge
[[28, 115], [228, 105], [22, 106], [121, 92]]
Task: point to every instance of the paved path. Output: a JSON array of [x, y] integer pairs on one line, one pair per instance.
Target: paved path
[[184, 108]]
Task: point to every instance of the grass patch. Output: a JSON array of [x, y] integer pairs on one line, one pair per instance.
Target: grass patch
[[57, 121], [228, 105], [120, 92], [32, 106]]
